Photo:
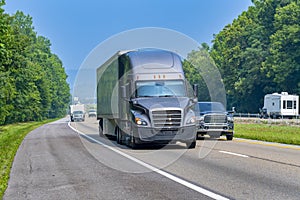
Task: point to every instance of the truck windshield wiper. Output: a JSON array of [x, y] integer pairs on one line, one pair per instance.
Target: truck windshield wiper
[[145, 96], [167, 95]]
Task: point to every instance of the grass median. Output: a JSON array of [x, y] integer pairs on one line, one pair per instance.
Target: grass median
[[285, 134], [11, 136]]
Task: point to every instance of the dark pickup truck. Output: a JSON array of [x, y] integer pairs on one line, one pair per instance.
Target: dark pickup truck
[[214, 120]]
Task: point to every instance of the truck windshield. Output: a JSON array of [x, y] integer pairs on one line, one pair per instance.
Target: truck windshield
[[78, 112], [211, 107], [174, 88]]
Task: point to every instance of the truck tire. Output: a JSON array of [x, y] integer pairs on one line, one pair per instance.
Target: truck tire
[[133, 143], [200, 137], [101, 128], [229, 137], [119, 135], [191, 145]]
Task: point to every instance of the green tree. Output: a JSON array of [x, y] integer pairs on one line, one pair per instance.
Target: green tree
[[25, 73], [200, 69], [32, 79], [284, 60], [7, 89], [259, 53], [59, 88]]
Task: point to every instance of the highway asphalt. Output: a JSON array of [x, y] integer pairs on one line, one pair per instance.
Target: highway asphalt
[[63, 160]]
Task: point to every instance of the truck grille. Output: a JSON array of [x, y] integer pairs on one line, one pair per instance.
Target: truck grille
[[217, 119], [167, 119]]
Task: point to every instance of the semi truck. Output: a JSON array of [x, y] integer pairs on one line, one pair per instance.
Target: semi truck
[[281, 105], [143, 97], [77, 112]]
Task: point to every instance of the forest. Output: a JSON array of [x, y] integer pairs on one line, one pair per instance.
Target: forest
[[33, 82], [257, 54]]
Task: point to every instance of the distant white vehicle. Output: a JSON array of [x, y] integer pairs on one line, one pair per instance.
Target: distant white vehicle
[[281, 105], [92, 113], [80, 116]]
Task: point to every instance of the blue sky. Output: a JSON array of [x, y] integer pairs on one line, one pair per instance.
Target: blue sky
[[76, 27]]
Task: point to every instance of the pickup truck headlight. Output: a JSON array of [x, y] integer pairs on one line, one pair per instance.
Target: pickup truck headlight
[[230, 118], [201, 119]]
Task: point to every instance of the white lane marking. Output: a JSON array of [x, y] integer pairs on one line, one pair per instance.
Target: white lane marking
[[163, 173], [235, 154]]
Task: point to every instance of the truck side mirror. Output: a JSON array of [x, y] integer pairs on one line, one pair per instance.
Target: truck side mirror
[[195, 89], [232, 111], [195, 92], [125, 92]]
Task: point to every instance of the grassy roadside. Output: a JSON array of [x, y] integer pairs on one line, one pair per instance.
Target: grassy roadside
[[11, 136], [272, 133]]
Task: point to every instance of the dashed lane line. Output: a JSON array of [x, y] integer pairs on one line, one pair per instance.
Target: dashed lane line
[[235, 154]]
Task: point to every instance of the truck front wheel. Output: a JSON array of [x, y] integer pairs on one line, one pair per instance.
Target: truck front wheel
[[229, 136], [133, 143]]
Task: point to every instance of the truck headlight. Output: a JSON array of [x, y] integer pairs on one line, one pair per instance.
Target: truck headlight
[[190, 118], [140, 121]]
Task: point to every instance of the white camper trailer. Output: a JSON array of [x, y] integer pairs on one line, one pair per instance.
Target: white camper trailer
[[281, 105]]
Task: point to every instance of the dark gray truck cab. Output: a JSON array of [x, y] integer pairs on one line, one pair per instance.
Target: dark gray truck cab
[[214, 120]]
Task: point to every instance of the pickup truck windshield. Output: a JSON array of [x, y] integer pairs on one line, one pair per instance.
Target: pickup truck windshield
[[174, 88], [211, 107], [77, 112]]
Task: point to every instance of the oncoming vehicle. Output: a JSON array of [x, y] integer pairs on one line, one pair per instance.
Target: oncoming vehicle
[[214, 120], [143, 97], [92, 113], [78, 115], [75, 107]]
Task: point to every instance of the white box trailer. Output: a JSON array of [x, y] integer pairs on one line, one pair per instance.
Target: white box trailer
[[281, 105]]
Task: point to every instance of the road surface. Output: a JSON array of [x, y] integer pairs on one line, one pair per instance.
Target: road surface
[[63, 160]]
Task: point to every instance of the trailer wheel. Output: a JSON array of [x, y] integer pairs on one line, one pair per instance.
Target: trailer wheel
[[119, 135], [101, 128]]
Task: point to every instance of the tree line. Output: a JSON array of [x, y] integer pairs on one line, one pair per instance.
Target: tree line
[[258, 53], [32, 79]]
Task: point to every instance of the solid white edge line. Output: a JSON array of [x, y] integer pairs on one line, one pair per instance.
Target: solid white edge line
[[235, 154], [163, 173]]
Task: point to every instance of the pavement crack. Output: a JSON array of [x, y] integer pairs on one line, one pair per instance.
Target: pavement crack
[[275, 161]]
